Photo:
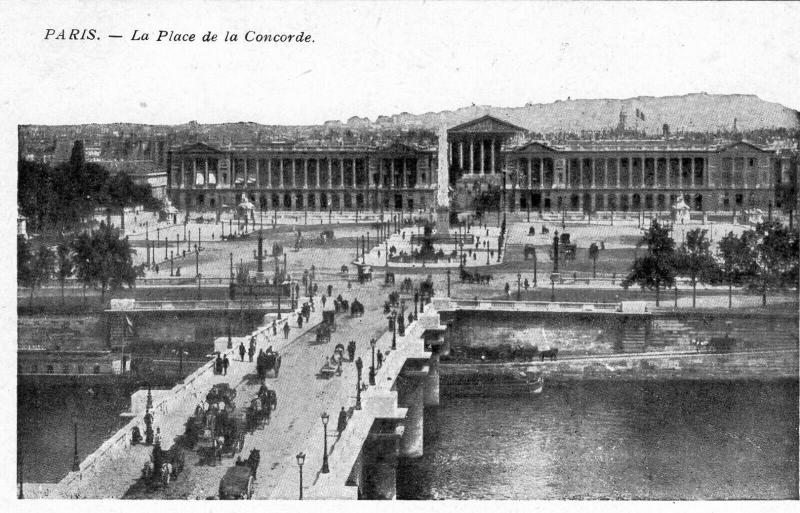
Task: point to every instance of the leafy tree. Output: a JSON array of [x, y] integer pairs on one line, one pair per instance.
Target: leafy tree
[[694, 259], [103, 259], [487, 201], [24, 258], [732, 255], [772, 255], [65, 265], [40, 267], [656, 269], [594, 252]]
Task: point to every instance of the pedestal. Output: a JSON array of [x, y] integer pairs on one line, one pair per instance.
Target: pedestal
[[260, 277], [442, 220]]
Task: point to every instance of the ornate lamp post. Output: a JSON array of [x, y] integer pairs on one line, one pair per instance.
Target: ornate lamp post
[[76, 463], [301, 458], [372, 343], [519, 280], [394, 334], [416, 300], [448, 283], [358, 393], [325, 468]]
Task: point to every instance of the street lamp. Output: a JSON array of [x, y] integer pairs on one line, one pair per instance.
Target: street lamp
[[519, 280], [372, 343], [301, 458], [394, 332], [325, 468], [76, 463]]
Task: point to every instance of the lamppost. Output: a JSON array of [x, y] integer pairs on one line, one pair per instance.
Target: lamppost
[[519, 281], [197, 269], [372, 343], [416, 300], [394, 334], [76, 463], [301, 458], [325, 468], [358, 393], [535, 270], [448, 286], [171, 261]]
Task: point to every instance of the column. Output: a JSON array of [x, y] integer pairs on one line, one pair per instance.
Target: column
[[642, 169], [294, 176], [461, 155], [316, 174], [707, 172], [183, 174], [246, 177], [369, 173], [530, 171], [341, 173], [258, 173], [541, 173], [205, 171], [483, 157], [194, 171], [680, 172], [471, 157], [594, 173], [405, 173], [305, 173], [491, 157], [391, 173], [619, 169], [330, 175], [281, 170], [580, 175], [355, 183], [692, 177]]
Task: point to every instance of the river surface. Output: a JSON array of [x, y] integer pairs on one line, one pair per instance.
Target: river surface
[[596, 440], [45, 431]]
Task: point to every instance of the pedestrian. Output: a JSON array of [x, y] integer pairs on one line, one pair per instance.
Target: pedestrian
[[324, 300], [507, 288], [251, 352], [342, 421], [274, 328], [380, 359], [299, 321], [359, 366], [286, 329], [156, 268], [242, 350], [225, 364], [330, 290], [526, 284], [351, 349], [410, 317], [349, 285], [218, 364]]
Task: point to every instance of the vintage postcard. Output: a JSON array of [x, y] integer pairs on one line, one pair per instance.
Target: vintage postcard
[[432, 251]]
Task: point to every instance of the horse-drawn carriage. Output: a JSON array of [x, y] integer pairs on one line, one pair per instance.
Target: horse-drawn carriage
[[407, 285], [474, 277], [340, 304], [356, 309], [329, 318], [333, 365], [163, 466], [237, 483], [323, 333], [260, 410], [221, 392], [345, 270], [364, 273], [389, 279], [267, 362]]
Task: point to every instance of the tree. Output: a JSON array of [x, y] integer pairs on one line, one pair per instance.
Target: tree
[[772, 257], [103, 259], [23, 259], [594, 252], [65, 265], [733, 261], [40, 267], [656, 269], [694, 259]]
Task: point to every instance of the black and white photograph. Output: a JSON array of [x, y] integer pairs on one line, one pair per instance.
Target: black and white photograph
[[428, 251]]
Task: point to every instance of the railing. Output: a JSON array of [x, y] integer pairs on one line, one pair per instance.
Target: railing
[[536, 306], [125, 306]]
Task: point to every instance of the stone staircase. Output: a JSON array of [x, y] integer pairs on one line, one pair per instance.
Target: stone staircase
[[634, 338]]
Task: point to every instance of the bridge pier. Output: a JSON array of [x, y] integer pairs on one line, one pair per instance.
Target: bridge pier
[[411, 395], [379, 468], [431, 397]]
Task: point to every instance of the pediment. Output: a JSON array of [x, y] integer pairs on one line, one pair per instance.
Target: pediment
[[488, 124], [741, 147], [534, 147], [199, 148]]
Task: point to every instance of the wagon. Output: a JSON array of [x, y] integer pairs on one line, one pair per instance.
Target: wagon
[[323, 334], [329, 318], [237, 483]]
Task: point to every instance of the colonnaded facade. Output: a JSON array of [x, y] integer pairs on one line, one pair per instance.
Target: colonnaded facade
[[482, 154]]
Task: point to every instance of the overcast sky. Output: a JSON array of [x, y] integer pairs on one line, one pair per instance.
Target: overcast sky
[[371, 59]]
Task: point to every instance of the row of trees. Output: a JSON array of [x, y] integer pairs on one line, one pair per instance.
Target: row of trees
[[100, 258], [765, 257], [63, 195]]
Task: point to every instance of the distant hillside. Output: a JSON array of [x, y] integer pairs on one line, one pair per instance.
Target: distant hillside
[[698, 112]]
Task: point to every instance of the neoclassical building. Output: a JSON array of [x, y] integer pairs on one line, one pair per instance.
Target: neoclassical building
[[480, 154]]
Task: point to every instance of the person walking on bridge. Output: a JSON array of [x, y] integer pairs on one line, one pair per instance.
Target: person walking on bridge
[[342, 423], [242, 350], [251, 351], [286, 329], [225, 364], [380, 359]]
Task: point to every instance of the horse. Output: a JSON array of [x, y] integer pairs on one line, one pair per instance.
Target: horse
[[549, 353]]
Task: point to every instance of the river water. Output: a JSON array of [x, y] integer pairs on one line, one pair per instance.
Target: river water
[[596, 440]]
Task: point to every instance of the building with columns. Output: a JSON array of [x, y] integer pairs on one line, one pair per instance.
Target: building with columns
[[481, 154]]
